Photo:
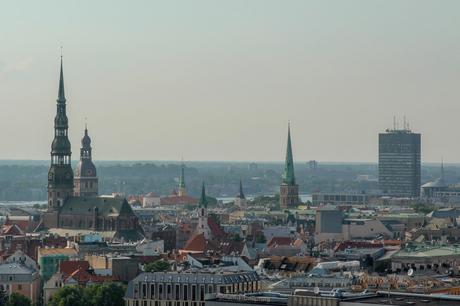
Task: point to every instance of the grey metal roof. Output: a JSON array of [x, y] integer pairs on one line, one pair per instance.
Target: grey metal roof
[[14, 268], [202, 278]]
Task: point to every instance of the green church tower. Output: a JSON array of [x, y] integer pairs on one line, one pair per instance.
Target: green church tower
[[289, 190]]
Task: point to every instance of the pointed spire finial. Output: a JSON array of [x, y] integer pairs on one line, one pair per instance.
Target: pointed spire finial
[[86, 125], [203, 199], [182, 176], [61, 93], [241, 194], [288, 175]]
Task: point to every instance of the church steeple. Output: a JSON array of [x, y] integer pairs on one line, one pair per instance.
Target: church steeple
[[289, 190], [241, 194], [85, 151], [181, 191], [240, 199], [288, 175], [61, 93], [60, 175], [203, 203], [86, 181], [203, 226]]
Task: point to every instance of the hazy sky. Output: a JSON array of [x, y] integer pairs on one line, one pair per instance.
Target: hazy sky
[[219, 80]]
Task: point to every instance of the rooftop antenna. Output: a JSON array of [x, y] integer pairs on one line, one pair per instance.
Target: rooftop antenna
[[61, 52], [394, 122], [404, 127]]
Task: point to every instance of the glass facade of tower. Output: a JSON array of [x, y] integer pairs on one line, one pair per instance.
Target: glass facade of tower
[[399, 163]]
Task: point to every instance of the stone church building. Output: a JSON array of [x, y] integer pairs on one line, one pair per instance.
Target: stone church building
[[74, 206]]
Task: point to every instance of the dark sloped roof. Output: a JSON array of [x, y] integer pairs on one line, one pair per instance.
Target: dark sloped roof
[[106, 206]]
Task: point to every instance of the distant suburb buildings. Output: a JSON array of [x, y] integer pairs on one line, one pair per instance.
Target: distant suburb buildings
[[399, 163]]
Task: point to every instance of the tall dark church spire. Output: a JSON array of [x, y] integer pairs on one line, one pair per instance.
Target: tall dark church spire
[[241, 194], [60, 175], [61, 93], [203, 203], [288, 175], [182, 191]]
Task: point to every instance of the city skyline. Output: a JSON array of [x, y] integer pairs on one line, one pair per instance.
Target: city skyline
[[192, 91]]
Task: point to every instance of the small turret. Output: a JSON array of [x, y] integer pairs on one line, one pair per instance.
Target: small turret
[[86, 181]]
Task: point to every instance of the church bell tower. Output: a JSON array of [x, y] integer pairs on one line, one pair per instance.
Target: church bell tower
[[60, 175], [289, 190], [86, 182]]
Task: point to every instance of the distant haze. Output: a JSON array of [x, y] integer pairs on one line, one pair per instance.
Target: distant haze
[[219, 80]]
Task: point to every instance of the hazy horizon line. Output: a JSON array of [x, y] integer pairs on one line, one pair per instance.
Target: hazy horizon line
[[222, 161]]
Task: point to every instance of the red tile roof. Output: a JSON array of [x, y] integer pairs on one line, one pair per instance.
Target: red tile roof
[[25, 225], [69, 266], [277, 241], [216, 230], [82, 277], [13, 230], [196, 243]]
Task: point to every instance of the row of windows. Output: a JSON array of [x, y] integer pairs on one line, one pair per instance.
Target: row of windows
[[162, 303], [187, 292]]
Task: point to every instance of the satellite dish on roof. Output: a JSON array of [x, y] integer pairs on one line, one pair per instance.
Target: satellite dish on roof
[[410, 272], [316, 290]]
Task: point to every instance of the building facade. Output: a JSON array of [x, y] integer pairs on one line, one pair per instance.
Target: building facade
[[186, 289], [329, 224], [399, 163], [339, 198], [289, 190], [21, 279]]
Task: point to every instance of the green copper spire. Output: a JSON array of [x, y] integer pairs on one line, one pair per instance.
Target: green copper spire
[[182, 177], [61, 94], [288, 175], [203, 199]]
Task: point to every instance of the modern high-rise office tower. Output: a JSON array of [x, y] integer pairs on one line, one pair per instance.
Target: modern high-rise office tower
[[399, 162]]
